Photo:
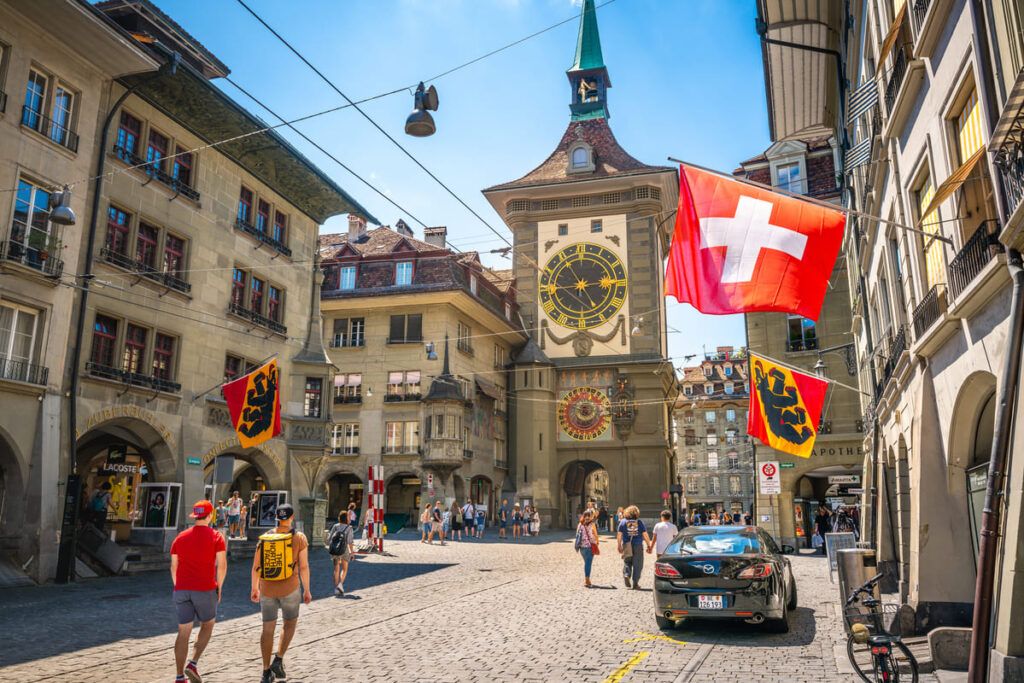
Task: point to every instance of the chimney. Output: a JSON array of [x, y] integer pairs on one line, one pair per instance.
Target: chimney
[[403, 229], [356, 227], [436, 236]]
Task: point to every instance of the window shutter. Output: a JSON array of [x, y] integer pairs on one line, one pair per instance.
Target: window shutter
[[415, 327], [397, 328]]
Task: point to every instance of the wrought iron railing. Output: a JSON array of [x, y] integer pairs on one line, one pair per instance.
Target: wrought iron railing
[[122, 261], [257, 318], [343, 342], [501, 464], [928, 311], [22, 371], [981, 248], [397, 398], [62, 135], [153, 170], [896, 348], [802, 345], [1010, 163], [262, 237], [37, 259], [920, 11], [345, 450], [899, 72], [401, 450], [137, 379], [340, 400]]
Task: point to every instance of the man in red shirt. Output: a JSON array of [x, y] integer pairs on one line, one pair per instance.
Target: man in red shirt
[[198, 567]]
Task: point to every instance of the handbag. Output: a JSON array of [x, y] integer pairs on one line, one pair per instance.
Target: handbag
[[594, 548], [627, 550], [817, 541]]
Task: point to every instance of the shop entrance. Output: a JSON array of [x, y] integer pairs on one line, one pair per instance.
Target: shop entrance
[[583, 481], [481, 491], [341, 490], [977, 473], [12, 497], [832, 493], [402, 500]]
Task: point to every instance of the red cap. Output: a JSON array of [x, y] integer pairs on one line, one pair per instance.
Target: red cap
[[202, 509]]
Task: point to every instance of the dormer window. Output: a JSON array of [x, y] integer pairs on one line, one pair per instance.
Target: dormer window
[[403, 273], [472, 284], [581, 158]]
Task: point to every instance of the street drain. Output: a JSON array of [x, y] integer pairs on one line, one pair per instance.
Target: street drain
[[485, 570]]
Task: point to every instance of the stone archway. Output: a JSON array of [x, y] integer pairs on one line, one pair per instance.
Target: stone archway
[[254, 470], [12, 494], [582, 481], [970, 446], [402, 498]]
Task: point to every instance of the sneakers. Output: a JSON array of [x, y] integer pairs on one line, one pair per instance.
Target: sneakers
[[192, 672], [626, 579], [339, 590], [268, 676], [277, 666]]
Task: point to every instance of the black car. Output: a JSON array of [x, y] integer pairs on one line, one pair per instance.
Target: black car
[[724, 572]]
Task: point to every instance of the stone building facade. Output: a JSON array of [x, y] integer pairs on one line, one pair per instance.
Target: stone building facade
[[592, 389], [398, 312], [832, 474], [714, 455]]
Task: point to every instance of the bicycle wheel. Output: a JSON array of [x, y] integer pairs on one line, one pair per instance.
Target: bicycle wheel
[[901, 662]]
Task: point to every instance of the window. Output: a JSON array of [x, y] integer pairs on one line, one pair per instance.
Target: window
[[734, 485], [233, 367], [403, 273], [347, 277], [734, 460], [787, 177], [690, 437], [464, 339], [281, 227], [128, 132], [499, 356], [238, 280], [257, 288], [245, 205], [728, 387], [563, 229], [691, 484], [709, 416], [968, 128], [730, 436], [312, 397], [182, 170], [163, 356], [500, 452], [730, 414], [104, 341], [30, 228], [19, 327], [348, 332], [508, 311], [728, 371], [596, 226], [403, 385], [709, 389], [712, 438], [60, 115], [134, 348], [35, 101], [156, 151], [688, 390], [345, 439], [803, 334], [691, 460], [472, 284], [401, 437], [935, 271], [174, 256], [712, 460], [348, 388], [714, 486], [580, 158], [274, 297], [406, 328], [262, 216], [118, 225], [145, 246], [708, 370]]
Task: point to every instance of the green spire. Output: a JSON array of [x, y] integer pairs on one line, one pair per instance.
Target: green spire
[[588, 44]]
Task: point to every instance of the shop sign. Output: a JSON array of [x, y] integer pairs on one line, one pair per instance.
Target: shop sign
[[855, 492], [787, 465], [837, 450], [768, 478], [194, 461], [844, 479], [117, 468]]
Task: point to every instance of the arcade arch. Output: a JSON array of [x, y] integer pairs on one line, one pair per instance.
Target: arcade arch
[[582, 481]]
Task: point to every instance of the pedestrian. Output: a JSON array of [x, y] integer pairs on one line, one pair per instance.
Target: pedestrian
[[469, 517], [455, 514], [602, 518], [199, 565], [587, 542], [446, 524], [535, 521], [618, 518], [339, 541], [747, 518], [253, 508], [353, 515], [98, 504], [527, 513], [664, 533], [481, 522], [822, 526], [244, 520], [436, 521], [517, 521], [234, 514], [632, 534], [425, 523], [276, 587], [503, 515]]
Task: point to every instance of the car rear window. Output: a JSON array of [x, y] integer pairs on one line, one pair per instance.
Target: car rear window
[[713, 543]]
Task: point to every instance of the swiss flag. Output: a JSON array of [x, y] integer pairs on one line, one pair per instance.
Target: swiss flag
[[738, 248]]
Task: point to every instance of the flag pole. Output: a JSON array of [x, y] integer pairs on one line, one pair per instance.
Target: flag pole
[[786, 365], [220, 384], [816, 201]]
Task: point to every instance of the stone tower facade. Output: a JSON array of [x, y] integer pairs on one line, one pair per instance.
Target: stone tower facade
[[591, 226]]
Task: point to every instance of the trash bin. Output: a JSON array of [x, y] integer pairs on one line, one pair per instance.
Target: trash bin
[[855, 566]]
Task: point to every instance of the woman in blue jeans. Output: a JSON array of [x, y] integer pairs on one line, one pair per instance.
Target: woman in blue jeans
[[586, 543]]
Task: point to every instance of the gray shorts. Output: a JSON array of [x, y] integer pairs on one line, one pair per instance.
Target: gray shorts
[[193, 605], [337, 559], [288, 606]]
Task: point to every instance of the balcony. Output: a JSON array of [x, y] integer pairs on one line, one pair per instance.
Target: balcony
[[405, 340], [900, 89], [928, 19], [21, 371], [401, 398], [401, 450], [1010, 163], [348, 400], [256, 318], [897, 346], [156, 172], [928, 311], [966, 268], [341, 341], [262, 237], [345, 450], [892, 85], [933, 322], [134, 379], [36, 259], [796, 345], [54, 131], [169, 280], [501, 464]]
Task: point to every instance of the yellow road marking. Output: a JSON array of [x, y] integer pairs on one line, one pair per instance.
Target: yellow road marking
[[626, 667], [645, 637]]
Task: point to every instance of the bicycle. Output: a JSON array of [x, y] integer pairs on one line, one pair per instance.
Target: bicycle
[[890, 659]]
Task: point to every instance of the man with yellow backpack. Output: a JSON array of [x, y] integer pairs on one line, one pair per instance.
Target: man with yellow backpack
[[275, 586]]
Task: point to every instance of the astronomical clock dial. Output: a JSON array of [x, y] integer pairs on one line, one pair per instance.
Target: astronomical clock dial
[[583, 286], [583, 413]]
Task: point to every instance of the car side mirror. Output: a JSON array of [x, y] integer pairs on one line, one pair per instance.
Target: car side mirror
[[788, 549]]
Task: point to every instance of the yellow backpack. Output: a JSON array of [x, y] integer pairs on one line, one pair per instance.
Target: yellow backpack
[[277, 561]]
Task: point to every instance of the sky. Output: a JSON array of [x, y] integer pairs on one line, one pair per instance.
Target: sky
[[687, 82]]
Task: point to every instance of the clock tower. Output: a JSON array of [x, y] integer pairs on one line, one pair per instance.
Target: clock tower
[[591, 228]]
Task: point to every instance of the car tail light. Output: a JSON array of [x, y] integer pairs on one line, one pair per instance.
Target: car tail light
[[761, 570], [880, 650], [666, 571]]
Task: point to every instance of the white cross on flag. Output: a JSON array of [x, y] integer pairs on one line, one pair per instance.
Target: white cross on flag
[[739, 248]]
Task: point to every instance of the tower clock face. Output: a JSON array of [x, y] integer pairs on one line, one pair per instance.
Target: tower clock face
[[583, 413], [583, 286]]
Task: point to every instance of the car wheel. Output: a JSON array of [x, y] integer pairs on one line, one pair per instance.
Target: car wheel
[[665, 624], [779, 625], [791, 605]]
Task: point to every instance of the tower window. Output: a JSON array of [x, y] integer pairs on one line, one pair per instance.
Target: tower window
[[580, 158]]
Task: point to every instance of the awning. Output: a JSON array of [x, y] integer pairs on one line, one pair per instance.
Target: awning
[[801, 85], [890, 37], [1010, 126], [861, 100], [488, 389], [953, 182]]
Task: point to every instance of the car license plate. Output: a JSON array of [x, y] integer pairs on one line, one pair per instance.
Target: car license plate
[[710, 602]]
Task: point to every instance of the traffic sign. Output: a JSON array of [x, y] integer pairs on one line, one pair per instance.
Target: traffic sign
[[768, 478]]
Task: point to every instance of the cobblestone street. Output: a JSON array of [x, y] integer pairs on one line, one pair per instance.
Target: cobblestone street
[[471, 611]]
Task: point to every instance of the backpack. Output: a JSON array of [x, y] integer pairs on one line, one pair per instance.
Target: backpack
[[339, 541], [277, 561]]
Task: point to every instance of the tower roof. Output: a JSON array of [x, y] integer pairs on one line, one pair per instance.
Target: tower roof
[[444, 387], [588, 43]]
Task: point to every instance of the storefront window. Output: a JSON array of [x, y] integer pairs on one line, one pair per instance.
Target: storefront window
[[158, 506]]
